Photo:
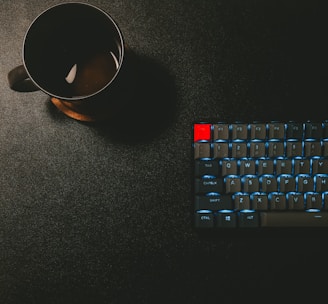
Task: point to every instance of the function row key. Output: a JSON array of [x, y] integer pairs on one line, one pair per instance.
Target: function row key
[[256, 148], [272, 130], [248, 131]]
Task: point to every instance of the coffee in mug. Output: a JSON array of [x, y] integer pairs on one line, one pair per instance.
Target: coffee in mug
[[74, 53]]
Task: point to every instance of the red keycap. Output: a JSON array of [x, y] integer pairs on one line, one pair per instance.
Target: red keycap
[[202, 132]]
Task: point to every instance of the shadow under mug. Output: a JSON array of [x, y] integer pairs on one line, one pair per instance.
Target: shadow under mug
[[74, 53]]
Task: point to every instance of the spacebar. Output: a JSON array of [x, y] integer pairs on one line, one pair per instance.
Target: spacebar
[[294, 219]]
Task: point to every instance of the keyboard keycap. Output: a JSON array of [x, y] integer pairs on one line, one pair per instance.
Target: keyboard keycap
[[258, 131], [239, 131], [295, 201], [207, 185], [313, 200], [268, 183], [221, 131], [325, 129], [202, 150], [247, 166], [220, 150], [204, 219], [294, 148], [325, 148], [257, 149], [277, 201], [276, 130], [232, 183], [312, 148], [248, 219], [312, 130], [214, 202], [304, 183], [239, 149], [319, 165], [283, 166], [286, 183], [202, 131], [294, 219], [259, 201], [265, 166], [321, 182], [242, 201], [206, 167], [302, 165], [229, 167], [250, 183], [294, 130], [226, 219], [276, 148]]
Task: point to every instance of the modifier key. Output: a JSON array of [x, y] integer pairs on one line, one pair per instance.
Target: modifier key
[[206, 185], [204, 219], [248, 219]]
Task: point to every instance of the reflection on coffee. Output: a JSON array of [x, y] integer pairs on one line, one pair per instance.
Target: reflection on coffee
[[71, 51], [92, 74]]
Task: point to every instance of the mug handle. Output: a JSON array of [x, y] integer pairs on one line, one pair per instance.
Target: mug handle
[[19, 80]]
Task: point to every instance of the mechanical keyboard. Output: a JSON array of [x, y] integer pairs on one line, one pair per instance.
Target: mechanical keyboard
[[260, 174]]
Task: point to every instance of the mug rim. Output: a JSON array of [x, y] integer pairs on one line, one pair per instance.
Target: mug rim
[[120, 61]]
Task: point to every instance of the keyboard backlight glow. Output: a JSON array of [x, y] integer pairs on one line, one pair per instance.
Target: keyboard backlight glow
[[225, 211], [313, 210], [247, 211], [204, 211]]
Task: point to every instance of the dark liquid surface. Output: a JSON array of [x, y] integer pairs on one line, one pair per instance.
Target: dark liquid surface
[[91, 74]]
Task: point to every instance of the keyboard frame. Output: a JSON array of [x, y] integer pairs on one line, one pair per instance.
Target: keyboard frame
[[214, 230]]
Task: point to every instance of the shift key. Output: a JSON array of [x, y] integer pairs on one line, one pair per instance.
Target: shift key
[[206, 185]]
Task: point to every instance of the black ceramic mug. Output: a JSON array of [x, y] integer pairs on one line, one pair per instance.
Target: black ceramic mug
[[74, 53]]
